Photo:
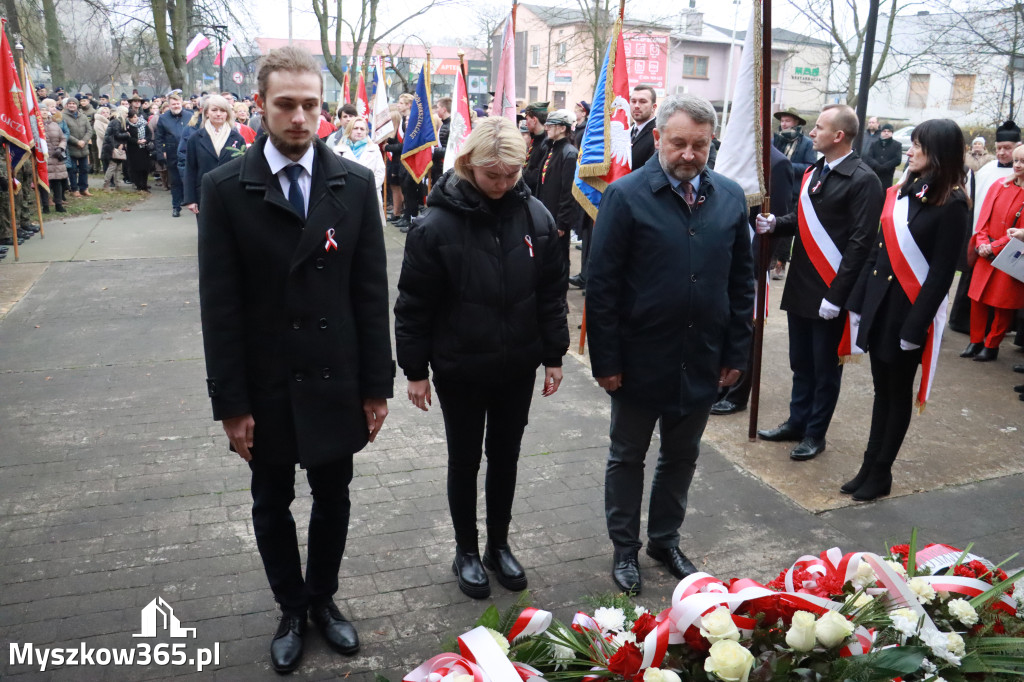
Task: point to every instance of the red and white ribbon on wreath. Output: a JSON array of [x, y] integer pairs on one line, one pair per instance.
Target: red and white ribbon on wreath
[[445, 667], [826, 258], [530, 622], [911, 269], [969, 587], [478, 646]]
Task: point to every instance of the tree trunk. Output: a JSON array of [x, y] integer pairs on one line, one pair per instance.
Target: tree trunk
[[169, 37], [54, 40]]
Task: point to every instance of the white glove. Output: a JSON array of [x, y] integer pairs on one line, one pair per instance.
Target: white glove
[[827, 311], [906, 345], [764, 224]]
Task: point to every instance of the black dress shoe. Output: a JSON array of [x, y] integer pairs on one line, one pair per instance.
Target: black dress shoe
[[338, 632], [808, 448], [724, 406], [578, 281], [626, 572], [987, 354], [471, 574], [675, 561], [972, 350], [402, 222], [176, 213], [507, 569], [783, 432], [286, 649], [1019, 369], [1019, 388]]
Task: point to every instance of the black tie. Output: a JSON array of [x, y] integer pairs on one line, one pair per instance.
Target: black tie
[[824, 171], [633, 135], [294, 191]]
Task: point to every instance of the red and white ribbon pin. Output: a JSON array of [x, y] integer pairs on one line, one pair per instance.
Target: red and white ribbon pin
[[330, 243], [529, 244]]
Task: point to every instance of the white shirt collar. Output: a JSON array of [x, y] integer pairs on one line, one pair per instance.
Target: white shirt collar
[[832, 164], [277, 161], [641, 126]]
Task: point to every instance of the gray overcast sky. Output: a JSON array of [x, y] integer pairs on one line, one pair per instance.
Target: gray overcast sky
[[458, 19]]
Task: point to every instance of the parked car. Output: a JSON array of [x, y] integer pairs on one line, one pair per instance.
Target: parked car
[[903, 137]]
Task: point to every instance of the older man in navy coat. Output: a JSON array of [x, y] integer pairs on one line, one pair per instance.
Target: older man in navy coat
[[670, 301]]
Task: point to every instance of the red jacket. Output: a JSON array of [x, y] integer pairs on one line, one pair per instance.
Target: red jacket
[[988, 285]]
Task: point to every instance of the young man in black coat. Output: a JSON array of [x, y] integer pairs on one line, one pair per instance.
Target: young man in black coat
[[294, 300], [835, 224], [884, 155], [555, 190], [536, 114], [643, 104]]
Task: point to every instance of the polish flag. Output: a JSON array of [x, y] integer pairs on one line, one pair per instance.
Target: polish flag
[[361, 98], [505, 86], [461, 123], [223, 55], [198, 44], [382, 126], [346, 87]]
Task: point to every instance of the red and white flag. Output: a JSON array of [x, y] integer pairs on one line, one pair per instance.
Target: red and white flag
[[361, 98], [345, 87], [14, 127], [461, 123], [222, 56], [383, 128], [505, 85], [35, 122], [198, 44]]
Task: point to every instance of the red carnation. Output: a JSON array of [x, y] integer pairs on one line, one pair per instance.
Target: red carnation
[[626, 661], [964, 572], [644, 624], [980, 570], [900, 551]]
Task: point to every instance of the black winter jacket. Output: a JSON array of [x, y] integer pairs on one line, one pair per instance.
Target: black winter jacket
[[475, 300], [555, 186], [884, 156]]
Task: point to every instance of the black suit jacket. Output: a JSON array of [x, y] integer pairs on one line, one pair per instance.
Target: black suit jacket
[[294, 334], [643, 146], [848, 203]]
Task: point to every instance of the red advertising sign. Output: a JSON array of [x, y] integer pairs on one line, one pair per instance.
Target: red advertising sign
[[646, 58]]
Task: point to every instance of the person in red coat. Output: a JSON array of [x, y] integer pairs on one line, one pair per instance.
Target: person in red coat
[[991, 288]]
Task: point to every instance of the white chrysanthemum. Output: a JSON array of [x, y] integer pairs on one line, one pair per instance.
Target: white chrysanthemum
[[906, 621], [621, 638], [562, 655], [923, 589], [963, 611], [610, 619], [940, 642], [955, 644], [639, 611], [500, 639], [862, 600], [898, 567], [1018, 596], [865, 576], [928, 666]]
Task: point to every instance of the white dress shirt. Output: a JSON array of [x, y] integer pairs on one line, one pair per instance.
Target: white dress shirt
[[278, 162]]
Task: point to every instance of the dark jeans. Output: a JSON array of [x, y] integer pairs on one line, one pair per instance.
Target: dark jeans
[[273, 489], [631, 430], [505, 409], [177, 189], [78, 174], [893, 405], [57, 190], [817, 374]]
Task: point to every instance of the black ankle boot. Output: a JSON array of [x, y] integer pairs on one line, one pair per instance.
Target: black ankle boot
[[471, 574], [857, 481], [877, 484], [972, 350], [507, 569], [987, 354]]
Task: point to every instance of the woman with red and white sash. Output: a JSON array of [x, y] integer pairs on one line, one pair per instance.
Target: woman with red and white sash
[[902, 293]]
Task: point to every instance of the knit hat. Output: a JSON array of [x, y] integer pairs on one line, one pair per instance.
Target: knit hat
[[887, 126]]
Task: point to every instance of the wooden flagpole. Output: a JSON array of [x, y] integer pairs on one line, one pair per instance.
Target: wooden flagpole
[[430, 117], [763, 255]]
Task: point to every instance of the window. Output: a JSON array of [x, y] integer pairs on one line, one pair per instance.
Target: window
[[695, 67], [535, 55], [962, 95], [533, 94], [561, 53], [558, 98], [917, 95], [776, 68]]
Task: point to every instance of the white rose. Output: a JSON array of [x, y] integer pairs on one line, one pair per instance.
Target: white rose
[[718, 625], [659, 675], [801, 632], [865, 576], [924, 591], [832, 629], [862, 600], [729, 660], [963, 611], [905, 620], [898, 567], [610, 619], [500, 639], [621, 638]]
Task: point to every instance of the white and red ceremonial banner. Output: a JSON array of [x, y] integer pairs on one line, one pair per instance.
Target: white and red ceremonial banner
[[911, 269], [362, 101], [738, 158], [825, 257], [222, 56], [346, 87], [505, 85], [35, 123], [198, 44], [461, 123], [14, 129], [383, 128]]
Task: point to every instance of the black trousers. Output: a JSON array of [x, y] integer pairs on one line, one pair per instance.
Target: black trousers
[[412, 193], [504, 410], [273, 489], [817, 374], [893, 404], [960, 314]]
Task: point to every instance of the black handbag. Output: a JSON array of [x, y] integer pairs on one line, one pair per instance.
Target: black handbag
[[60, 154]]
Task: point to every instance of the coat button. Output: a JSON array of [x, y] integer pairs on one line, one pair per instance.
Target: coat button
[[692, 231], [889, 278], [299, 376], [684, 367], [326, 373], [296, 323], [879, 244], [690, 324], [323, 323], [875, 272], [693, 278], [319, 263]]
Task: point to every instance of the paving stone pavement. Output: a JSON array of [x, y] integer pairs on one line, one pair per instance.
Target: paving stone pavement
[[117, 488]]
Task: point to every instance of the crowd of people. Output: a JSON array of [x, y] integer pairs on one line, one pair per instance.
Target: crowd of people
[[296, 325]]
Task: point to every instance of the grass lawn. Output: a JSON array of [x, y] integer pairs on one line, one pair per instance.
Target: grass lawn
[[101, 201]]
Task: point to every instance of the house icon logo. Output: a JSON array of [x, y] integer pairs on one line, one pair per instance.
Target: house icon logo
[[158, 615]]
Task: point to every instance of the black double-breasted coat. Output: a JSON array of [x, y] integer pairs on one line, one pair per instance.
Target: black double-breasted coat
[[849, 203], [295, 334]]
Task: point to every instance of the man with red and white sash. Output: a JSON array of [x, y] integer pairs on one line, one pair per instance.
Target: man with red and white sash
[[835, 222]]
